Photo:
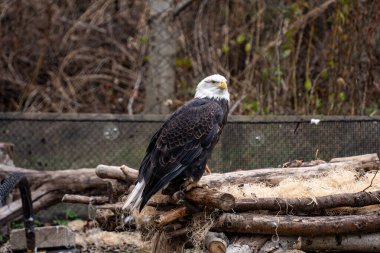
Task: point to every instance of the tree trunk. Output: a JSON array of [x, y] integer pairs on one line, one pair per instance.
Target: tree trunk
[[162, 49]]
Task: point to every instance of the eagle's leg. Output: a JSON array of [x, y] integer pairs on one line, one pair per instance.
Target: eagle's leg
[[207, 169]]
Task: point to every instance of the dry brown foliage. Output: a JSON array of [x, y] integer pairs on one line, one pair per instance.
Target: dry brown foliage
[[282, 57]]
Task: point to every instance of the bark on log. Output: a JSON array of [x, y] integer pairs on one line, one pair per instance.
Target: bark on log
[[297, 225], [123, 172], [216, 242], [269, 175], [172, 215], [178, 233], [211, 198], [80, 199], [359, 158], [48, 188], [117, 188], [352, 243], [7, 153], [273, 176], [162, 243], [295, 205], [113, 207]]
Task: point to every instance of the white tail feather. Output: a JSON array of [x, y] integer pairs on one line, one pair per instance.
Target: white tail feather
[[135, 196]]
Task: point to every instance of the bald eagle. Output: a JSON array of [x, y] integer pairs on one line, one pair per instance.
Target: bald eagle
[[179, 150]]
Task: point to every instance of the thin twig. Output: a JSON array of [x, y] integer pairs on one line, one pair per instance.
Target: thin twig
[[134, 93], [373, 178], [237, 103]]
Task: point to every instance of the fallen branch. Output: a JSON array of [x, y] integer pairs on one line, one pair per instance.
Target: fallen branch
[[80, 199]]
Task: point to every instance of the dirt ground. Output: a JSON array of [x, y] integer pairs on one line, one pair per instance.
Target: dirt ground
[[93, 239]]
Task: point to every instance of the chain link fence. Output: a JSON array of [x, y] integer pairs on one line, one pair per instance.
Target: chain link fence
[[54, 141]]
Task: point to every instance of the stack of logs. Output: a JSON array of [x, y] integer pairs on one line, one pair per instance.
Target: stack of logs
[[247, 225]]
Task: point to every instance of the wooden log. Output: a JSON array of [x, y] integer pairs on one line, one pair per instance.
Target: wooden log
[[48, 188], [113, 207], [123, 172], [273, 176], [359, 158], [172, 215], [297, 225], [279, 244], [178, 233], [162, 243], [216, 242], [253, 242], [7, 153], [117, 188], [342, 243], [80, 199], [295, 205], [268, 175], [211, 198], [106, 219]]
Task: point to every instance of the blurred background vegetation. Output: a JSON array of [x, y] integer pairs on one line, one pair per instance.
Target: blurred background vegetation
[[281, 57]]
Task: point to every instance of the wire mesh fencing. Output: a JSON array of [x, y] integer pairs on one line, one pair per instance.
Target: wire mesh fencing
[[54, 141]]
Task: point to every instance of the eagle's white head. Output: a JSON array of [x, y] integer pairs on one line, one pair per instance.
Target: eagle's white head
[[214, 86]]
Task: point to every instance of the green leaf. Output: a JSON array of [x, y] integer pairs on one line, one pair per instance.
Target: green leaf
[[342, 96], [225, 48], [331, 63], [143, 39], [255, 106], [286, 53], [241, 38], [183, 62], [71, 214], [265, 73], [308, 84], [278, 74], [318, 103], [248, 47], [325, 75], [61, 222]]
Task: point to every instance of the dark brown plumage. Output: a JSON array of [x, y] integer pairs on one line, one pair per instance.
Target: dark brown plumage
[[179, 150]]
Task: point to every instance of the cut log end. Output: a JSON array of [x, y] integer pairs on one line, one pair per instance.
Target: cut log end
[[216, 242]]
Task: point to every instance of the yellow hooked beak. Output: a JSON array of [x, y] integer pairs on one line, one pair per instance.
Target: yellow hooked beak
[[222, 85]]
